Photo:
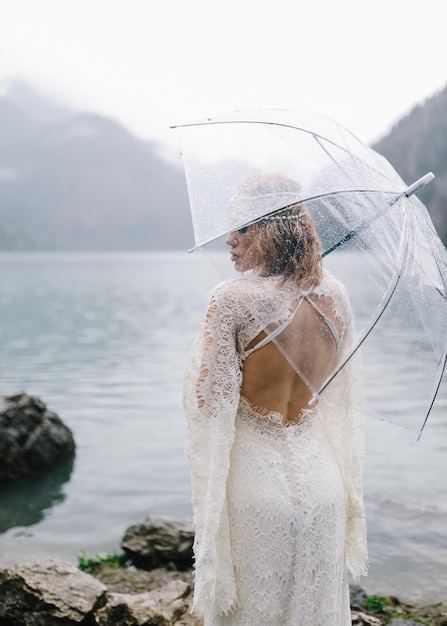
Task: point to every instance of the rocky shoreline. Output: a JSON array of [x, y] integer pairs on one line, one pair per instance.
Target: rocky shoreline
[[375, 612], [54, 593], [149, 584]]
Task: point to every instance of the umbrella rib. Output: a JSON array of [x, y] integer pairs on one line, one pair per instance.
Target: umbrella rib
[[435, 258], [311, 199], [385, 303], [405, 251], [266, 123], [353, 232], [335, 162], [316, 136], [444, 357], [362, 340], [438, 384]]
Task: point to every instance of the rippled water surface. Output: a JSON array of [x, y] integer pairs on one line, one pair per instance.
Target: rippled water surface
[[102, 339]]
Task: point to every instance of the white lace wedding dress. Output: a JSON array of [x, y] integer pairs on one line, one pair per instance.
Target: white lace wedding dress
[[278, 510]]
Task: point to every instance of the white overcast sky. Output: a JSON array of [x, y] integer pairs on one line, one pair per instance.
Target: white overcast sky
[[153, 63]]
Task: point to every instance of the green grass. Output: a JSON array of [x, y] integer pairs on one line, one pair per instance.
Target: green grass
[[90, 565], [374, 604]]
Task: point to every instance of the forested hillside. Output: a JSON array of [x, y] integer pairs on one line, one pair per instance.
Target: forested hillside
[[417, 144]]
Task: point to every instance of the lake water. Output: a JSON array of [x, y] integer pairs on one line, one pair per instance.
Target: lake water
[[103, 339]]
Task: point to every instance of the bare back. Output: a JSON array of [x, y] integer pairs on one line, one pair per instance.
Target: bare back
[[269, 382]]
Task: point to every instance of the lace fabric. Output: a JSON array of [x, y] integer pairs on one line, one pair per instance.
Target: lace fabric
[[278, 511]]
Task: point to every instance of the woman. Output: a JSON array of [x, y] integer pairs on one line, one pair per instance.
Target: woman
[[276, 483]]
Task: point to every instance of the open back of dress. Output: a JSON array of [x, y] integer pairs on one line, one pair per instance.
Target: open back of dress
[[309, 338]]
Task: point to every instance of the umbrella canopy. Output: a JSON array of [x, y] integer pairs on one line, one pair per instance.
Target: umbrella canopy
[[377, 239]]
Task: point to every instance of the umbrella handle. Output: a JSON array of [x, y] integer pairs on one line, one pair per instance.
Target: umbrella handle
[[418, 184]]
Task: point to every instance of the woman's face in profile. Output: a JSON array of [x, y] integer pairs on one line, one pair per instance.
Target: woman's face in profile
[[240, 242]]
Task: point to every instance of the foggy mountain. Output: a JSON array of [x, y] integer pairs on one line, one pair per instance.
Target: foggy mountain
[[79, 181], [73, 180]]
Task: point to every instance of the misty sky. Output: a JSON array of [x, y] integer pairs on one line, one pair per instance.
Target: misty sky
[[153, 63]]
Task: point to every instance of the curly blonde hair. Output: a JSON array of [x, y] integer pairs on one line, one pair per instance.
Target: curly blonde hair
[[285, 243]]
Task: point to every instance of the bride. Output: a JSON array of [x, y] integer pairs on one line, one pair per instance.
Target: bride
[[276, 473]]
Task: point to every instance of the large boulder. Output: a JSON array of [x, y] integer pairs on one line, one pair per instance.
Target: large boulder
[[49, 593], [160, 541], [33, 440]]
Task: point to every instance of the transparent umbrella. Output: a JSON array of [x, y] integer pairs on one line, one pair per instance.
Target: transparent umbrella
[[377, 239]]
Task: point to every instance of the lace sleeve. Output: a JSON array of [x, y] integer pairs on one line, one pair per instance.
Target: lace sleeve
[[211, 397]]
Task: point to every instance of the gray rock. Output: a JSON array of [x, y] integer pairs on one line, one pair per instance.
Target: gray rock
[[49, 593], [33, 440], [161, 607], [160, 541], [357, 596]]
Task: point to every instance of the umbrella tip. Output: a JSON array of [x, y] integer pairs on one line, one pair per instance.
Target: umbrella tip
[[418, 184]]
